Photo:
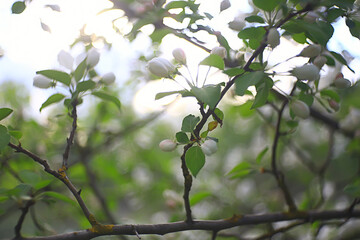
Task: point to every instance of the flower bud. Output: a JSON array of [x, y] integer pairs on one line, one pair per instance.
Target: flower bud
[[237, 24], [334, 105], [311, 51], [320, 61], [65, 59], [220, 51], [225, 4], [209, 147], [93, 57], [167, 145], [160, 67], [108, 78], [341, 82], [179, 55], [306, 72], [41, 81], [273, 38], [300, 109]]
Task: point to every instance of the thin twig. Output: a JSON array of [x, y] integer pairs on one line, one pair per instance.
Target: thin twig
[[24, 211], [187, 185], [70, 139]]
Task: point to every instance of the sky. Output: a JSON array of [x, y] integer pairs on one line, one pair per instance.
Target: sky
[[28, 48]]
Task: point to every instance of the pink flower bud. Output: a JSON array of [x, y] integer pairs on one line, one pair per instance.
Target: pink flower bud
[[93, 57], [65, 59], [209, 147], [320, 61], [41, 81], [179, 55], [306, 72], [300, 109], [167, 145], [220, 51], [108, 78], [160, 67], [341, 82], [273, 38], [334, 105], [311, 51]]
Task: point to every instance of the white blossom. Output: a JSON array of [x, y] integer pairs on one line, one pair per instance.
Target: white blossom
[[65, 59], [179, 55], [108, 78], [167, 145], [41, 81], [160, 67], [220, 51], [93, 57], [209, 147], [306, 72]]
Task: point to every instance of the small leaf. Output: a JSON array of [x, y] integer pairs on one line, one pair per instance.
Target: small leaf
[[18, 7], [213, 60], [189, 123], [267, 5], [57, 97], [234, 71], [209, 94], [254, 18], [212, 125], [107, 97], [242, 83], [182, 138], [198, 197], [4, 112], [4, 137], [85, 85], [261, 154], [219, 114], [165, 94], [240, 170], [341, 59], [176, 4], [262, 93], [56, 75], [195, 159], [252, 33], [80, 70]]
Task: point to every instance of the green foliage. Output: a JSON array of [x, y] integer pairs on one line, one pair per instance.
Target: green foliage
[[57, 97], [56, 75], [213, 60], [18, 7], [189, 123], [269, 5], [209, 94], [195, 160], [4, 112]]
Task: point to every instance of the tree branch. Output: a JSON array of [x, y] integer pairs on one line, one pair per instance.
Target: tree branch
[[70, 139]]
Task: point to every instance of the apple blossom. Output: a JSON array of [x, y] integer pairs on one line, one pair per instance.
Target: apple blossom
[[108, 78], [220, 51], [320, 61], [237, 24], [179, 55], [167, 145], [273, 38], [311, 51], [300, 109], [41, 81], [209, 147], [160, 67], [93, 57], [306, 72], [65, 59], [341, 82]]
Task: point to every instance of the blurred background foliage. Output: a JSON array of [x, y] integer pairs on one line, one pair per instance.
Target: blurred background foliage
[[125, 178]]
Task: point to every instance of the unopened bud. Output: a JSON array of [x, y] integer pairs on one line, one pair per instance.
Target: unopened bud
[[300, 109], [108, 78], [167, 145], [42, 82], [320, 61], [334, 105], [306, 72], [209, 147], [179, 55], [311, 51], [273, 38], [237, 24], [160, 67], [93, 57], [342, 83], [220, 51], [65, 59]]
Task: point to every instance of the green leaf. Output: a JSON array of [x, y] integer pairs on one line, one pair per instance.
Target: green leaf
[[209, 94], [354, 27], [334, 13], [306, 98], [159, 34], [219, 114], [56, 75], [299, 37], [182, 138], [198, 197], [262, 93], [341, 59], [189, 123], [267, 5], [4, 112], [105, 96], [80, 70], [243, 82], [165, 94], [85, 85], [4, 137], [57, 97], [254, 19], [176, 4], [252, 33], [234, 71], [241, 170], [16, 134], [195, 159], [18, 7], [213, 60], [261, 155], [319, 32], [331, 94], [58, 196], [302, 86]]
